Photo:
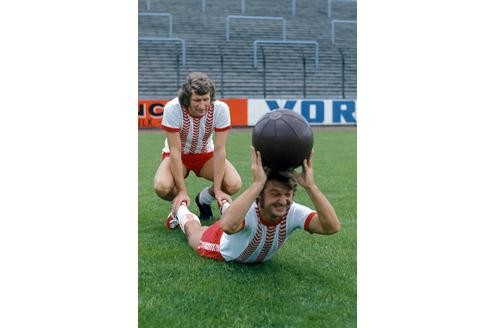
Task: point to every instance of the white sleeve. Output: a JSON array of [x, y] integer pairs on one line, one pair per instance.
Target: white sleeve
[[222, 116], [172, 116], [299, 216]]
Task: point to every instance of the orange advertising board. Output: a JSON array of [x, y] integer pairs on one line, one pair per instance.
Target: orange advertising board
[[238, 111], [150, 112]]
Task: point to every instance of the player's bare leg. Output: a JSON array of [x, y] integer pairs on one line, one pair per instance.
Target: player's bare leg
[[164, 183], [194, 231]]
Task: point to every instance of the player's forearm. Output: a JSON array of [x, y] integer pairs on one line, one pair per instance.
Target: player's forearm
[[233, 218], [176, 168], [326, 213], [219, 157]]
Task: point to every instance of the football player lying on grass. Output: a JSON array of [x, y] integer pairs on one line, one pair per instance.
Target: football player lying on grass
[[260, 220]]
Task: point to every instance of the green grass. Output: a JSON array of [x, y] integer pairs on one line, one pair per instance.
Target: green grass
[[310, 282]]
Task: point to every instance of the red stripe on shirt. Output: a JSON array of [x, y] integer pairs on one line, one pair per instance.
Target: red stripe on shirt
[[228, 127], [267, 245], [253, 244], [208, 129], [185, 129], [281, 232], [308, 220], [170, 129]]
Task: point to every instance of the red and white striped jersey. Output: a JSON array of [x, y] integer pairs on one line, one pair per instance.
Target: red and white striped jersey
[[195, 132], [259, 240]]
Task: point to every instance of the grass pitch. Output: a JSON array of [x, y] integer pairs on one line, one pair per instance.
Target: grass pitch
[[310, 282]]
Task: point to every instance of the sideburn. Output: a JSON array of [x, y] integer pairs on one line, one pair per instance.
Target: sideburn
[[260, 200]]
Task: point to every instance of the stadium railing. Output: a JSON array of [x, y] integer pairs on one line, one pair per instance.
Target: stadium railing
[[329, 11], [302, 42], [170, 19], [163, 39]]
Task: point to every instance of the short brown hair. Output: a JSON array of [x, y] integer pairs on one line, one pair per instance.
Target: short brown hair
[[283, 178], [196, 82]]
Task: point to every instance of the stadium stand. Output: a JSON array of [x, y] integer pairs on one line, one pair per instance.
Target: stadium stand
[[160, 67]]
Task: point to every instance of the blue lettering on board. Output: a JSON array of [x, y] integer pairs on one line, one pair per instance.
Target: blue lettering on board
[[345, 110], [319, 106], [273, 104]]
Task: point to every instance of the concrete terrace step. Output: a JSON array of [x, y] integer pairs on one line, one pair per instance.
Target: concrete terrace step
[[204, 34]]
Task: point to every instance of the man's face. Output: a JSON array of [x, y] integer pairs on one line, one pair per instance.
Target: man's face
[[199, 104], [276, 199]]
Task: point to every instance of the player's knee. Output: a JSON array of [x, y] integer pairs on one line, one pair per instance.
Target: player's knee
[[162, 189], [233, 187]]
